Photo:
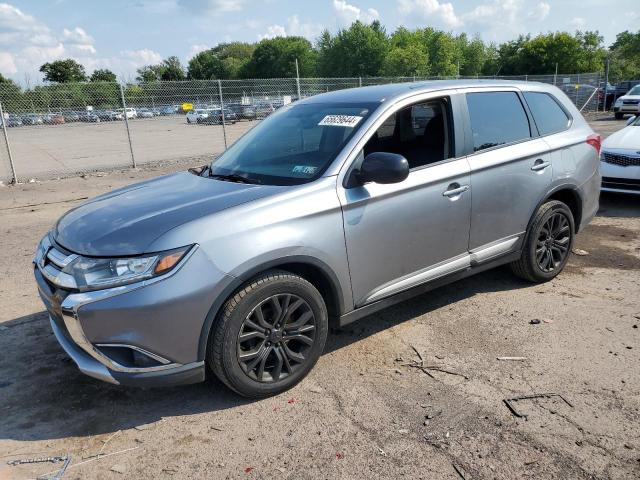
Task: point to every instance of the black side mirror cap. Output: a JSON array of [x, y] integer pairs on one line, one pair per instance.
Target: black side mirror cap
[[380, 167]]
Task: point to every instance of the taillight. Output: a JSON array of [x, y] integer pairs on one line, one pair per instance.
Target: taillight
[[595, 141]]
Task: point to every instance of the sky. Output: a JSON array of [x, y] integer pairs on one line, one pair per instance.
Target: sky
[[125, 35]]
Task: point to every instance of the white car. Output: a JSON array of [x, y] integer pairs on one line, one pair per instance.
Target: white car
[[628, 103], [620, 159], [130, 112], [197, 115]]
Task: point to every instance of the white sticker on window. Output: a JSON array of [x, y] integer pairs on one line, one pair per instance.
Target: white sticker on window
[[340, 120], [304, 169]]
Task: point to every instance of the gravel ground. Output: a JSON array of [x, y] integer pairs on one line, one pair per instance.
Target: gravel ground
[[364, 411]]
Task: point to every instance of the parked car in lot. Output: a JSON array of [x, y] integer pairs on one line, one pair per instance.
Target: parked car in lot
[[167, 111], [620, 159], [53, 119], [242, 112], [144, 113], [109, 115], [214, 116], [130, 112], [32, 119], [330, 209], [11, 120], [629, 103], [90, 117], [263, 110], [197, 115], [71, 117]]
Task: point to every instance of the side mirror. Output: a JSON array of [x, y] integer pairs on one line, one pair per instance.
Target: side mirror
[[381, 167], [631, 120]]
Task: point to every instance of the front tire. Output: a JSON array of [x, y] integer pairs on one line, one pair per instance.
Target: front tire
[[269, 335], [547, 244], [619, 116]]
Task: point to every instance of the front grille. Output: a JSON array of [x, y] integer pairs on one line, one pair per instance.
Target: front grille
[[52, 262], [631, 102], [621, 160], [629, 184]]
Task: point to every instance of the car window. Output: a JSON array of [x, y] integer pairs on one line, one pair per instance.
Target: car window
[[295, 145], [548, 115], [497, 118], [418, 132], [634, 91]]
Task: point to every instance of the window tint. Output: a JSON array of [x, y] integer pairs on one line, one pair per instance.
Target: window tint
[[547, 114], [497, 118], [417, 132]]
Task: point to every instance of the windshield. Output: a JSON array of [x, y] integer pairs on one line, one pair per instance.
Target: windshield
[[295, 145], [634, 91]]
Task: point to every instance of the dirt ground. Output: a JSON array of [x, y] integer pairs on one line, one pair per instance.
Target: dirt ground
[[362, 412]]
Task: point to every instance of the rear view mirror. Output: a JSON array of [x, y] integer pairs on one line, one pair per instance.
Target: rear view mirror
[[381, 167], [631, 120]]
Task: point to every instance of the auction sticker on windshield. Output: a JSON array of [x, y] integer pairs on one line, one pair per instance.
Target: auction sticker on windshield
[[340, 120]]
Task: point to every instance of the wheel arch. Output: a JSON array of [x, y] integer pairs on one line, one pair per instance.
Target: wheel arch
[[315, 271], [568, 194]]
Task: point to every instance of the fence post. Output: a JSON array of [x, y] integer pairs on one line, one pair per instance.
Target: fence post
[[126, 123], [297, 79], [6, 141], [224, 127], [359, 81]]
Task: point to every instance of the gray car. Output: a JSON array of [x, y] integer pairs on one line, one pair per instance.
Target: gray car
[[330, 209]]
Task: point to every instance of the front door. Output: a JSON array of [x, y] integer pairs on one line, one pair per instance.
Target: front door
[[404, 234]]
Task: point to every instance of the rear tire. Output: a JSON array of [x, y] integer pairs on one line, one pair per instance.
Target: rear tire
[[269, 335], [548, 243]]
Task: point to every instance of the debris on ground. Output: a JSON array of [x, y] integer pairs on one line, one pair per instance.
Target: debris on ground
[[512, 359], [57, 475], [458, 471], [535, 321], [509, 402], [119, 468], [580, 252], [427, 369]]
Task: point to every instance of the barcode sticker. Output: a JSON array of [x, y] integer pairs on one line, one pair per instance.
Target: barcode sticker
[[340, 120]]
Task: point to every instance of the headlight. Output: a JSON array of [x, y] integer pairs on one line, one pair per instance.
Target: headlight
[[97, 273], [618, 102]]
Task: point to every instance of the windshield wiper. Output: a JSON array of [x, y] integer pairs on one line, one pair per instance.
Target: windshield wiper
[[233, 177]]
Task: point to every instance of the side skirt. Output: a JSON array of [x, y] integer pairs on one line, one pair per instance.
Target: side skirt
[[370, 308]]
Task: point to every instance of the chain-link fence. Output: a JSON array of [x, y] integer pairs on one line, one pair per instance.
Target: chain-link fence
[[66, 129]]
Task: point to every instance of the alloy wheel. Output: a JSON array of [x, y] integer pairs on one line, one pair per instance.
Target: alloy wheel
[[554, 239], [276, 337]]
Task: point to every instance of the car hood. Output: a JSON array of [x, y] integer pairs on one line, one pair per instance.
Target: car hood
[[126, 221], [627, 138]]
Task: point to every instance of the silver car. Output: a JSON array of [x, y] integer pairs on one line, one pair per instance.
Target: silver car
[[332, 208]]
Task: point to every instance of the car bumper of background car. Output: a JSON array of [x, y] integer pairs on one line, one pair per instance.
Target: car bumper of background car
[[143, 334], [620, 179]]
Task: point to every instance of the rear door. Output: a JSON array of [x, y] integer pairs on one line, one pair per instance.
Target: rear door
[[510, 170]]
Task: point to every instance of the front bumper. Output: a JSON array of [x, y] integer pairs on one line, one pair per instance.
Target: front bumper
[[160, 320], [620, 179]]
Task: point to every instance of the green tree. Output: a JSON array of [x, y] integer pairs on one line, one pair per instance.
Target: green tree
[[150, 73], [63, 71], [205, 65], [625, 57], [172, 69], [276, 58], [226, 60], [359, 50], [102, 75]]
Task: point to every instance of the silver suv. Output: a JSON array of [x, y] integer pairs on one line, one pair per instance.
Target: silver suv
[[330, 209]]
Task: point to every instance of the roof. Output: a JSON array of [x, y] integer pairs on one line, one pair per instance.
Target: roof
[[381, 93]]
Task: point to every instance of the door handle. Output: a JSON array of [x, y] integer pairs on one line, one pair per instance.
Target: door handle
[[540, 164], [454, 190]]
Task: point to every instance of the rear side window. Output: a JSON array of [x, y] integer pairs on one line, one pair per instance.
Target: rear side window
[[548, 115], [497, 118]]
